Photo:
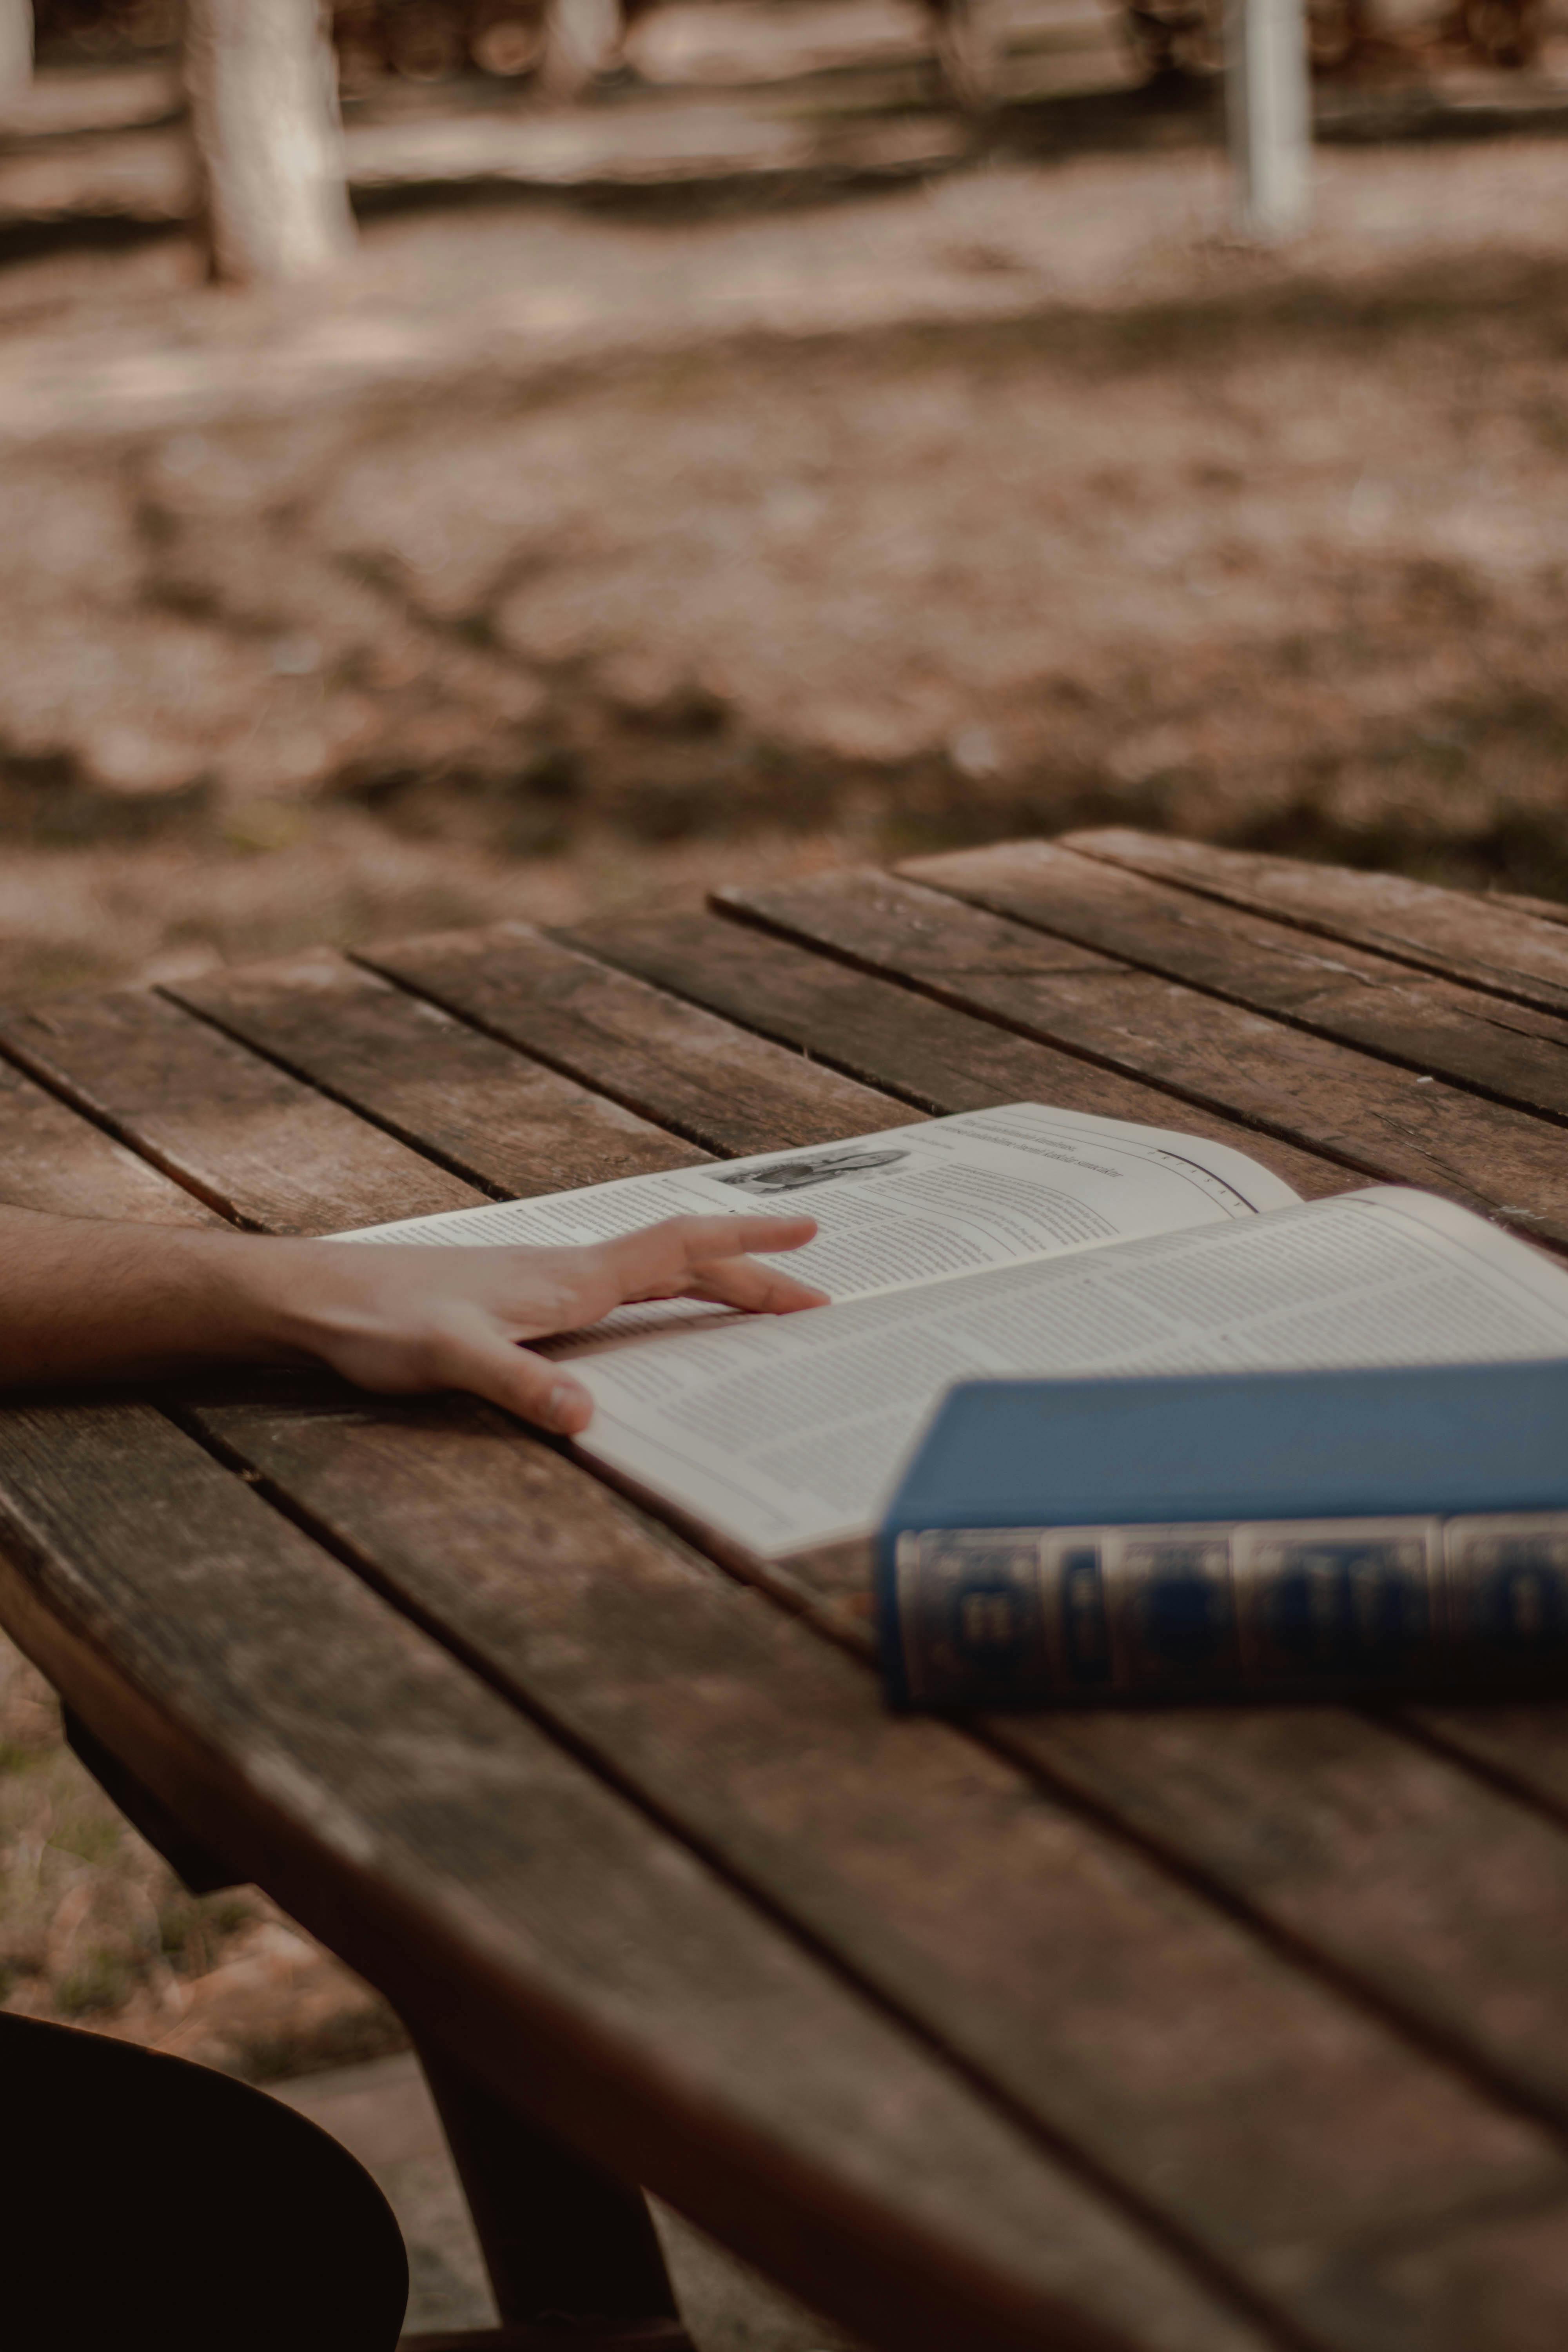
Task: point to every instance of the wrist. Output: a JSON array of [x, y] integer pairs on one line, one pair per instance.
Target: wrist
[[274, 1301]]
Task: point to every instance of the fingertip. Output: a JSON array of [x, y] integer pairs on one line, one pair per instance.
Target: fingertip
[[568, 1409]]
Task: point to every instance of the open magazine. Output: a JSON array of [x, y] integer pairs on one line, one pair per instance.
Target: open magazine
[[1020, 1240]]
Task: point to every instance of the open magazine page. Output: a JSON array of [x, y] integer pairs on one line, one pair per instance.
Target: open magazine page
[[915, 1204], [786, 1432]]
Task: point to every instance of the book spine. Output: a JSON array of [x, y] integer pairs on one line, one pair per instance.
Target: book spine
[[1029, 1617]]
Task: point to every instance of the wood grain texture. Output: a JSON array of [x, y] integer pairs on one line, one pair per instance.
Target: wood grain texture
[[1544, 911], [486, 1110], [1524, 1747], [469, 1503], [1383, 2205], [1442, 1896], [1382, 1121], [1513, 947], [52, 1158], [1337, 991], [547, 1934], [1331, 1830], [705, 1079], [240, 1134], [940, 1058], [1512, 1052], [1287, 2134], [959, 950]]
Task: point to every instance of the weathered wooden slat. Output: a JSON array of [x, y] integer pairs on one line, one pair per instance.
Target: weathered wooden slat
[[1238, 1795], [321, 1013], [545, 1932], [1384, 1121], [489, 1112], [243, 1135], [363, 1208], [997, 960], [1288, 2134], [52, 1158], [426, 1484], [1446, 1900], [1526, 1747], [1510, 1051], [940, 1058], [1434, 2270], [291, 1005], [665, 1060], [1545, 910], [1513, 947], [1384, 1852], [533, 1162]]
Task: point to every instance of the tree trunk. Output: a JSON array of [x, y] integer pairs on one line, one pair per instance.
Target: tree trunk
[[262, 79], [16, 47], [1268, 111]]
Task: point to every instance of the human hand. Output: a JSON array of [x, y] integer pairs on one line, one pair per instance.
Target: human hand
[[401, 1319]]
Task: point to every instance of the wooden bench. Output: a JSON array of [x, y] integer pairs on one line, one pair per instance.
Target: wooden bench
[[1196, 2032]]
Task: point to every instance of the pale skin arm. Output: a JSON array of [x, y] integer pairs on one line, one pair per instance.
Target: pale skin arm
[[81, 1300]]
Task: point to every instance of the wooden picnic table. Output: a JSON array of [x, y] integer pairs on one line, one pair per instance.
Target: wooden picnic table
[[1183, 2032]]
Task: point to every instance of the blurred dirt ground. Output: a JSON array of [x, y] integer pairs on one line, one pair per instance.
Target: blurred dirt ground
[[95, 1929], [556, 559]]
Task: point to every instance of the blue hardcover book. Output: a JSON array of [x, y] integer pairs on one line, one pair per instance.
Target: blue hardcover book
[[1062, 1542]]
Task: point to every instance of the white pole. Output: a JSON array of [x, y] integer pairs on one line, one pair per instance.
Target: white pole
[[16, 47], [261, 76], [1269, 115]]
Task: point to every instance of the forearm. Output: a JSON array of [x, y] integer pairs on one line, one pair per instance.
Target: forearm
[[79, 1298]]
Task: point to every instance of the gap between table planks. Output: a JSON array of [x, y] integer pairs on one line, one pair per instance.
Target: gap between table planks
[[254, 990], [1219, 1811], [1208, 1975], [758, 1143], [1167, 2307], [466, 1864], [917, 939], [705, 1080], [52, 1160], [1502, 1049], [215, 1176], [1511, 947], [233, 1129], [1382, 1121], [513, 982], [708, 1077], [1122, 905]]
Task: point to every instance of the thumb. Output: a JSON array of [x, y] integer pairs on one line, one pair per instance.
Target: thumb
[[478, 1359]]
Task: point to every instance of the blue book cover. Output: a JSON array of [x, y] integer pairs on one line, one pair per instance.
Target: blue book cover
[[1070, 1541]]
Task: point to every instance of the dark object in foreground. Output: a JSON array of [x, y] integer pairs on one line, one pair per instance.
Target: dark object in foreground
[[1260, 1535], [144, 2193]]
